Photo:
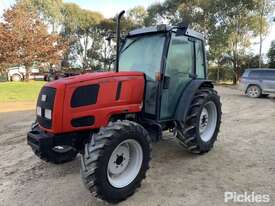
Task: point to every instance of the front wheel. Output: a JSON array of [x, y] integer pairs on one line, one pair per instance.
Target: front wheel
[[116, 160], [199, 131], [16, 78]]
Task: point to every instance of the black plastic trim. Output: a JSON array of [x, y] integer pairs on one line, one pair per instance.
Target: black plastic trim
[[47, 103], [118, 91], [43, 142], [187, 96], [85, 95], [83, 121]]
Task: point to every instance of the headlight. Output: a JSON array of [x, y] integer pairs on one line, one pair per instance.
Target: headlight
[[38, 111], [48, 113]]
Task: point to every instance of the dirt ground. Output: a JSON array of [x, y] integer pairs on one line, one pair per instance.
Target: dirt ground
[[243, 160]]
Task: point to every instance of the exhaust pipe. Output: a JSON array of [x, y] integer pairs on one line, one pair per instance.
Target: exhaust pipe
[[118, 38]]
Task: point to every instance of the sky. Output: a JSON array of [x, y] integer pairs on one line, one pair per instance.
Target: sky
[[109, 9]]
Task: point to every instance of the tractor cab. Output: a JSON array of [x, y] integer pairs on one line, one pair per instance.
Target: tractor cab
[[170, 57]]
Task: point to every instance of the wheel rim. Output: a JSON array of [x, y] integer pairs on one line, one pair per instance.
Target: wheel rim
[[208, 121], [124, 163], [253, 91]]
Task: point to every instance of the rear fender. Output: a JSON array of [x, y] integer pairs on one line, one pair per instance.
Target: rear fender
[[10, 74], [187, 97], [253, 84]]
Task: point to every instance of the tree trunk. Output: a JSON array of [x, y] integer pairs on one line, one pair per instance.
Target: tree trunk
[[218, 74], [235, 80], [85, 52], [236, 75], [28, 71], [260, 53], [235, 70], [53, 27], [261, 32]]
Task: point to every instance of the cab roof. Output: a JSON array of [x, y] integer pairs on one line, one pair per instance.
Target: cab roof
[[164, 28]]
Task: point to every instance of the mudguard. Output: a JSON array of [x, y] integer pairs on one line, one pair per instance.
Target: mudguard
[[187, 97]]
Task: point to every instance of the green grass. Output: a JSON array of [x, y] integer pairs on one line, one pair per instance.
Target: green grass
[[19, 91]]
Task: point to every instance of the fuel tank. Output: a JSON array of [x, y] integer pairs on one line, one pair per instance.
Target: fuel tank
[[88, 101]]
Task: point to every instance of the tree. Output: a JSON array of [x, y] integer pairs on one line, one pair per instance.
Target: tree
[[137, 16], [7, 48], [50, 10], [79, 26], [271, 55], [263, 9], [26, 39], [239, 22]]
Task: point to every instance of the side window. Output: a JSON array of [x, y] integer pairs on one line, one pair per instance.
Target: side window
[[254, 74], [246, 73], [273, 74], [200, 64], [180, 59], [270, 75]]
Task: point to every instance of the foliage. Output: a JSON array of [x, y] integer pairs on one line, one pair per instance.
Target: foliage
[[271, 55], [25, 39], [50, 10], [137, 16], [224, 71], [79, 26]]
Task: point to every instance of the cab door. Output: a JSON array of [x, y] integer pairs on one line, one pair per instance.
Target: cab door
[[180, 66], [185, 61]]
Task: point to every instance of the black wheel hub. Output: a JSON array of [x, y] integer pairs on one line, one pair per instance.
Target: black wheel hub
[[119, 159]]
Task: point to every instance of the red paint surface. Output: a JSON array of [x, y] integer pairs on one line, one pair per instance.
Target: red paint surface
[[130, 101]]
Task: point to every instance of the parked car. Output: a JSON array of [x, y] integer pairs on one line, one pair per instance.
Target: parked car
[[19, 73], [258, 82]]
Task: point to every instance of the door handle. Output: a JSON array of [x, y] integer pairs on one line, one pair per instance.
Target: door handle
[[192, 76], [166, 82]]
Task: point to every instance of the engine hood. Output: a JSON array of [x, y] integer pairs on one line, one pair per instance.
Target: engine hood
[[91, 76]]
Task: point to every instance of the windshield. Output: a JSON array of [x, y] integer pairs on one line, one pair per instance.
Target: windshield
[[143, 54]]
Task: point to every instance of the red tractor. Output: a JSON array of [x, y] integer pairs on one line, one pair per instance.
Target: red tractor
[[111, 118]]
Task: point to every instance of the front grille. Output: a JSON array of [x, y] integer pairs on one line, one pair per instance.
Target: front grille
[[46, 101]]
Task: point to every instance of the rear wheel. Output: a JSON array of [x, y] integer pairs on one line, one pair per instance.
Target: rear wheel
[[199, 131], [116, 160], [254, 91]]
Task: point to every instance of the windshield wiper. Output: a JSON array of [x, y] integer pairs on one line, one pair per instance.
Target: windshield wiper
[[130, 44]]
